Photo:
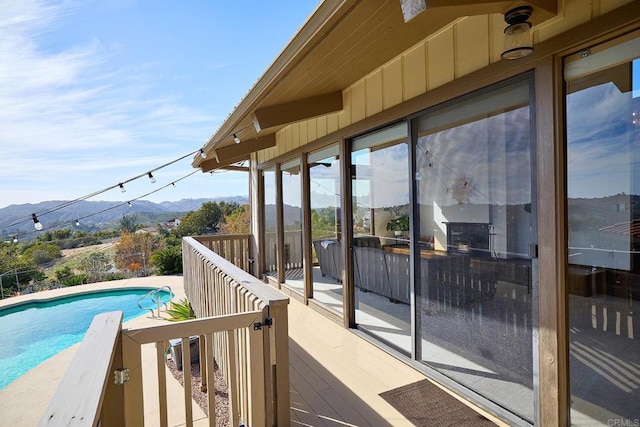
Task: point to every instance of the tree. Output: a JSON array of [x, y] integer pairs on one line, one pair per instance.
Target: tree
[[238, 221], [135, 249], [203, 221], [129, 224], [95, 265]]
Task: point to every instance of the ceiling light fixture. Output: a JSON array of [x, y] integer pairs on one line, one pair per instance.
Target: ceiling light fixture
[[517, 35]]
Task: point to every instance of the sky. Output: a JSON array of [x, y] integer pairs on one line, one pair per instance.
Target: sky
[[93, 93]]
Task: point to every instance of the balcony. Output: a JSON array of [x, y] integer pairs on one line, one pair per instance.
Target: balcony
[[303, 369]]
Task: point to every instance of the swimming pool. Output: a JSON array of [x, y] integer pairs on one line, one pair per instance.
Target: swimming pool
[[34, 331]]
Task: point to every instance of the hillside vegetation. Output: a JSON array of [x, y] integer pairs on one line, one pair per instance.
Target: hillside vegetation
[[67, 257]]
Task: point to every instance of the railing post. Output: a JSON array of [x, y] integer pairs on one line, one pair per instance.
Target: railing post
[[133, 401], [258, 397], [113, 405], [280, 330]]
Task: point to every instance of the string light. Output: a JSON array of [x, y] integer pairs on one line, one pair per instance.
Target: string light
[[15, 239], [120, 185], [77, 223], [129, 203], [36, 223]]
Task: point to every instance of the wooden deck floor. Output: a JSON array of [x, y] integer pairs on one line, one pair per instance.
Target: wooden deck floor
[[337, 376]]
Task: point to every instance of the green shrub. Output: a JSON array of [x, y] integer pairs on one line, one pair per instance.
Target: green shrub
[[114, 276], [180, 310], [78, 279], [168, 260]]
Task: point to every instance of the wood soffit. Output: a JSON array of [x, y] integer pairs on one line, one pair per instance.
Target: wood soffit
[[341, 42]]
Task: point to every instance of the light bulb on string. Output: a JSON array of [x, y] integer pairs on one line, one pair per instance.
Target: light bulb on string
[[236, 138], [129, 203], [122, 189], [152, 178], [77, 223], [36, 223], [15, 239], [203, 154]]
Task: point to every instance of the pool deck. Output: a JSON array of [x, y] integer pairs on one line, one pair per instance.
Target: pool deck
[[23, 402]]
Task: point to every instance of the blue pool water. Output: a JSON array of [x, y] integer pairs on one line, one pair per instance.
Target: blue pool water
[[32, 332]]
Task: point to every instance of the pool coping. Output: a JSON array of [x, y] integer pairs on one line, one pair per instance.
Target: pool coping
[[149, 282]]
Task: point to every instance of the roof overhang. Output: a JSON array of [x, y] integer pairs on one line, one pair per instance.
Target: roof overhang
[[341, 42]]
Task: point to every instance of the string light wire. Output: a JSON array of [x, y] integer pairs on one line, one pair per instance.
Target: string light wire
[[148, 174], [77, 220]]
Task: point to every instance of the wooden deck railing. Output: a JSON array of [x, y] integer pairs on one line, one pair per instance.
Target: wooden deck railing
[[243, 326], [104, 382], [235, 248], [216, 287]]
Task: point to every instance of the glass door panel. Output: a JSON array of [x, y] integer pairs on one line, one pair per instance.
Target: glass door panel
[[476, 219], [380, 191], [270, 223], [324, 175], [292, 224], [603, 189]]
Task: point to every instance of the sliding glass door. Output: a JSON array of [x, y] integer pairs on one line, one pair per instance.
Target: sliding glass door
[[269, 223], [475, 294], [324, 196], [380, 193]]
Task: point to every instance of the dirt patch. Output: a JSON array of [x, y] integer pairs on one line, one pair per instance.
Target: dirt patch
[[200, 397], [71, 253]]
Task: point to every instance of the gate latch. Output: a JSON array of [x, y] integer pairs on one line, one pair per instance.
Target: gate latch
[[266, 322]]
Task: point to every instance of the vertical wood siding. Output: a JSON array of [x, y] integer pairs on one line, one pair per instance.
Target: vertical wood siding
[[465, 46]]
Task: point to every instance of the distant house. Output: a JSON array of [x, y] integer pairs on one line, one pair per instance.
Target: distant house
[[172, 224]]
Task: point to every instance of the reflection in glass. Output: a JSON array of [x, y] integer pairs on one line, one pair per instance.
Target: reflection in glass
[[292, 225], [380, 191], [603, 283], [475, 292], [324, 174], [269, 221]]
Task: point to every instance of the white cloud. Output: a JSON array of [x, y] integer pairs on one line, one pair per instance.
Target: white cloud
[[77, 116]]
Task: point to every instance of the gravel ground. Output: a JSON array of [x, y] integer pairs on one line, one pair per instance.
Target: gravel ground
[[200, 397]]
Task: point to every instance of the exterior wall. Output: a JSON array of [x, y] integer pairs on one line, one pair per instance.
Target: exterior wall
[[467, 45]]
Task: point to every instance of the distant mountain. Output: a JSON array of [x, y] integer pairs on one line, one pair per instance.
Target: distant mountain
[[94, 216], [186, 205]]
